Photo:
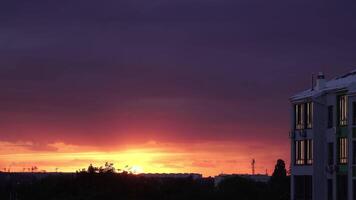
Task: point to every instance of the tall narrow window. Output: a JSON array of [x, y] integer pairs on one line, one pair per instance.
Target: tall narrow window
[[299, 152], [354, 188], [343, 150], [341, 187], [299, 116], [330, 153], [309, 151], [354, 113], [309, 114], [304, 152], [354, 152], [343, 110], [330, 189], [303, 187], [330, 116]]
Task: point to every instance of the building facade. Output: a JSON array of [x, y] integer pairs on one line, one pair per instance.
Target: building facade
[[323, 140]]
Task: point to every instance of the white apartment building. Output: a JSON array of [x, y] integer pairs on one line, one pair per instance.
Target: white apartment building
[[323, 140]]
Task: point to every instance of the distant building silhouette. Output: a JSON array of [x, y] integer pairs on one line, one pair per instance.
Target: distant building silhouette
[[257, 178], [172, 175]]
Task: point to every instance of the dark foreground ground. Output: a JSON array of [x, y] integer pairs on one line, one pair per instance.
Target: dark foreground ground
[[85, 186]]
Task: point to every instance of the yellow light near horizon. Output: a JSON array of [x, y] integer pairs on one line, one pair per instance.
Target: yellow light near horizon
[[207, 158], [132, 160], [136, 169]]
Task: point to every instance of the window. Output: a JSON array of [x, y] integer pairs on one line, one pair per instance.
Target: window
[[330, 189], [330, 153], [354, 188], [309, 114], [309, 151], [299, 116], [304, 115], [330, 116], [343, 150], [341, 187], [343, 110], [303, 187], [304, 152], [299, 152], [354, 152], [354, 113]]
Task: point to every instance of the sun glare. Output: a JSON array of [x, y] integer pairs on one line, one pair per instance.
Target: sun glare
[[136, 169]]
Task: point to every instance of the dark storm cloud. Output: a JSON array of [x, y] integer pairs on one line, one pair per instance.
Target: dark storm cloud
[[188, 69]]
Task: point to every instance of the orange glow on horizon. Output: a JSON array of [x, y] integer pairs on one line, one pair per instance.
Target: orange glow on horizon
[[209, 158]]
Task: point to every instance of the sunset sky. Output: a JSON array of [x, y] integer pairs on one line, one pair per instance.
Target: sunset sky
[[166, 86]]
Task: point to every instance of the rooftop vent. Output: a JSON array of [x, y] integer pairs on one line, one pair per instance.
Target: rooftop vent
[[320, 81]]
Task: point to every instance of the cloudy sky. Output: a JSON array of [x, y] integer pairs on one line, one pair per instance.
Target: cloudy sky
[[169, 86]]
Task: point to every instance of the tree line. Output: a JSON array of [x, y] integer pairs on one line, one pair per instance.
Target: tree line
[[96, 183]]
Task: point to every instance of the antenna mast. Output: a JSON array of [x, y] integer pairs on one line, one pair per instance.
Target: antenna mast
[[253, 166]]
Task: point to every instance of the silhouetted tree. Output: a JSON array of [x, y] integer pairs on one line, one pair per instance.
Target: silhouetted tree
[[280, 182], [34, 169], [280, 169], [108, 168], [92, 169]]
